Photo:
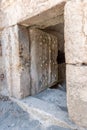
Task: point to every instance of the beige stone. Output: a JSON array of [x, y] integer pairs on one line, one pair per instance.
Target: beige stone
[[34, 12], [16, 54], [75, 32], [76, 79], [44, 67]]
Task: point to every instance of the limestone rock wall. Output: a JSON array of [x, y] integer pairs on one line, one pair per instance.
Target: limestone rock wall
[[22, 11], [16, 57], [42, 13], [2, 69], [30, 60], [76, 59], [76, 80]]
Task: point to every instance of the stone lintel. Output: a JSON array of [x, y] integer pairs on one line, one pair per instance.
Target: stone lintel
[[31, 13], [75, 32], [45, 18]]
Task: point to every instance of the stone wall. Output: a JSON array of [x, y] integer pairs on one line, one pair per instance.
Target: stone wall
[[31, 12], [15, 41], [30, 60], [76, 59], [14, 15], [39, 13], [2, 70]]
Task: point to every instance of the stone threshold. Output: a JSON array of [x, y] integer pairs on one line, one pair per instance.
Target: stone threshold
[[45, 111]]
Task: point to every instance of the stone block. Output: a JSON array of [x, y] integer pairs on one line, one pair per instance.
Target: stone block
[[76, 80], [75, 32], [16, 54], [44, 67], [30, 64], [2, 69], [32, 12]]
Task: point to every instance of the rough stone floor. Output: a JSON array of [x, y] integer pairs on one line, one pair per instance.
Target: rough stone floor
[[12, 117]]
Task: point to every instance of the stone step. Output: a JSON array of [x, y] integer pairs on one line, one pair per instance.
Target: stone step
[[55, 96], [45, 112]]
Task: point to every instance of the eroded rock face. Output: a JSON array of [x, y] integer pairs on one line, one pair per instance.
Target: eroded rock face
[[76, 78], [23, 11], [76, 32], [16, 55], [30, 60], [76, 59], [44, 67]]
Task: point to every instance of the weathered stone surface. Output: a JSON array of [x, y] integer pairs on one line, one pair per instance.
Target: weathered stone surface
[[25, 10], [76, 79], [76, 32], [16, 54], [44, 67], [2, 69], [23, 60]]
